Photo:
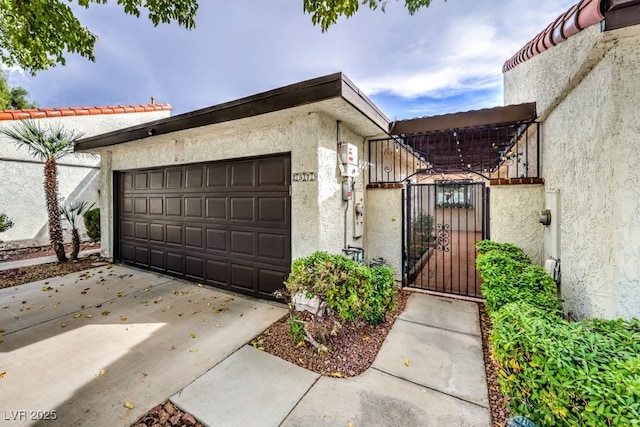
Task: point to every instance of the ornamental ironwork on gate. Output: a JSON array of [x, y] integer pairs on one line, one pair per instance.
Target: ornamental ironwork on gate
[[443, 222]]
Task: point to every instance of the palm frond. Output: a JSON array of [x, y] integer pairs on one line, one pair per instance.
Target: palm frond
[[74, 210], [44, 142]]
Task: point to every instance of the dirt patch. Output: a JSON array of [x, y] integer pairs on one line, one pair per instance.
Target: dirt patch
[[168, 415]]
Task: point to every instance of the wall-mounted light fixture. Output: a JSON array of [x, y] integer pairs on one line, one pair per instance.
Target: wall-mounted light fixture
[[545, 217]]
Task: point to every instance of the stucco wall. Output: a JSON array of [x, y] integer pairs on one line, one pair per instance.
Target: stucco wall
[[587, 95], [317, 206], [514, 217], [384, 226], [22, 191]]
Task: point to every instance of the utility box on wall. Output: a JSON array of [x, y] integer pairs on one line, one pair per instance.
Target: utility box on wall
[[348, 159]]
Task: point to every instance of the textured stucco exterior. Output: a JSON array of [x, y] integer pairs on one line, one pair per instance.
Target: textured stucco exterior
[[317, 208], [588, 97], [384, 226], [514, 217], [22, 191]]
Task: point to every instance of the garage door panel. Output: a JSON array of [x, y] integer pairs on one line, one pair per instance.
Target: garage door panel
[[193, 237], [272, 209], [194, 177], [227, 224], [242, 276], [140, 205], [270, 281], [216, 208], [217, 239], [174, 234], [243, 174], [156, 259], [156, 232], [142, 230], [193, 207], [272, 246], [217, 175], [174, 178], [194, 266], [127, 205], [142, 255], [174, 262], [141, 181], [156, 180], [242, 243], [273, 172], [156, 206], [127, 229], [127, 252], [242, 209], [174, 206], [216, 272]]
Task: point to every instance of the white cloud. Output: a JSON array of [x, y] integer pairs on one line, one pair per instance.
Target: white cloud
[[247, 46]]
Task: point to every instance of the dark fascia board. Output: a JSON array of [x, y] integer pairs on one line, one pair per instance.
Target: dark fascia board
[[295, 95], [469, 119], [620, 14]]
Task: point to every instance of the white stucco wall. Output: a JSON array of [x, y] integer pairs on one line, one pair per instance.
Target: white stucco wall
[[588, 97], [384, 226], [317, 207], [22, 190], [513, 217]]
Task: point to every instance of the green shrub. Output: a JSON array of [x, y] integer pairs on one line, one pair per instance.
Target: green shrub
[[351, 289], [92, 224], [505, 280], [382, 297], [560, 373], [5, 223], [296, 329], [485, 246]]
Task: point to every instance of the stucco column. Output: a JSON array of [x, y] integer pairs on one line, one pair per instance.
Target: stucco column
[[106, 205]]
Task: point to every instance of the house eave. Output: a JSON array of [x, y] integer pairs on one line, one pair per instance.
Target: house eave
[[312, 91]]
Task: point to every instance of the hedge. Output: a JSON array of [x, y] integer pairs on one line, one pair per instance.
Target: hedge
[[556, 372]]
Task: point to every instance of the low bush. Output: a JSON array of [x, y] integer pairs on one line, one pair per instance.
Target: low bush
[[92, 224], [484, 246], [560, 373], [352, 290], [505, 280], [556, 372]]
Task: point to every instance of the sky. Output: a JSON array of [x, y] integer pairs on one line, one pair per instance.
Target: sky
[[446, 58]]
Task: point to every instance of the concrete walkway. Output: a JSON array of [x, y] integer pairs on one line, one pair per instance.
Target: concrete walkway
[[429, 372], [84, 344]]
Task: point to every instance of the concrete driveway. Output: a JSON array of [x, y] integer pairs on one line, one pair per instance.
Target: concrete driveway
[[78, 347]]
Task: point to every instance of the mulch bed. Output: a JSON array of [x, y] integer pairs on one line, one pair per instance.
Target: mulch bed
[[353, 348], [497, 401]]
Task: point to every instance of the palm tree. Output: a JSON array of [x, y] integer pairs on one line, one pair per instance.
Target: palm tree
[[71, 213], [48, 144]]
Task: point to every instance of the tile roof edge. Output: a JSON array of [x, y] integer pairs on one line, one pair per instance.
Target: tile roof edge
[[578, 17], [41, 113]]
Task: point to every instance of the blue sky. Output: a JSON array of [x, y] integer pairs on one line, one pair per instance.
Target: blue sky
[[444, 59]]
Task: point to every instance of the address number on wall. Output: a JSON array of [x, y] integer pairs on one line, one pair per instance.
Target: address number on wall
[[304, 176]]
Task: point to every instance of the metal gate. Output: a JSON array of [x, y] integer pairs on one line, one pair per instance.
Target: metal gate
[[443, 221]]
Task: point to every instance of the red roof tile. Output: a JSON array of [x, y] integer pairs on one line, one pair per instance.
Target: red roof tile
[[40, 113], [580, 16]]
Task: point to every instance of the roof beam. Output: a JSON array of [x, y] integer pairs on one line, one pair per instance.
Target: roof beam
[[491, 116]]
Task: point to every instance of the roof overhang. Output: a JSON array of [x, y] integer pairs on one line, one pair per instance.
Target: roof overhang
[[497, 116], [306, 95]]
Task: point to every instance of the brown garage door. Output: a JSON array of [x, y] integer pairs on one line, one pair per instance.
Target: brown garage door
[[227, 224]]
